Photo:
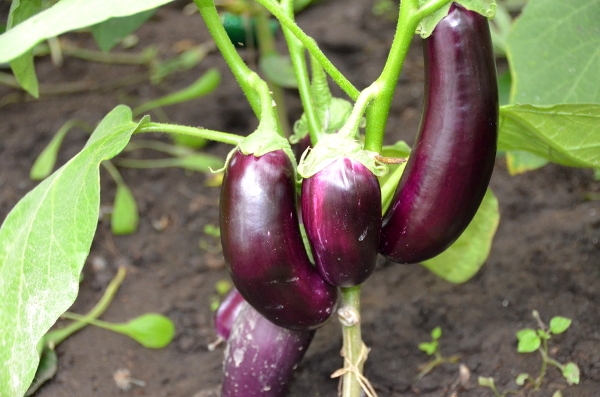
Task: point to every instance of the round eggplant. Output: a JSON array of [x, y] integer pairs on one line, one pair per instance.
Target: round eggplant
[[341, 211], [451, 164], [262, 244]]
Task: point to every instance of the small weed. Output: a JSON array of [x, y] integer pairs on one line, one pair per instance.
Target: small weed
[[432, 348], [530, 340]]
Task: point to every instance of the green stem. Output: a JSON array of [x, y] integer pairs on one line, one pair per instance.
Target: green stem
[[266, 45], [377, 113], [55, 337], [354, 349], [351, 125], [298, 59], [409, 18], [240, 70], [310, 45], [88, 320], [212, 135], [114, 173]]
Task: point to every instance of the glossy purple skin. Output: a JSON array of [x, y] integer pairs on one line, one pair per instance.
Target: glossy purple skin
[[262, 244], [227, 312], [341, 211], [451, 164], [260, 357]]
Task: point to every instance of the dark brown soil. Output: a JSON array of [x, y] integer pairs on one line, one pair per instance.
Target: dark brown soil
[[546, 253]]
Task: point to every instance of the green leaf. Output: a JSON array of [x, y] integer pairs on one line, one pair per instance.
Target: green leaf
[[571, 373], [486, 382], [65, 16], [554, 53], [45, 370], [204, 85], [436, 333], [151, 330], [279, 70], [504, 83], [184, 61], [564, 134], [557, 393], [519, 161], [529, 341], [44, 242], [44, 163], [465, 257], [125, 218], [23, 67], [521, 378], [110, 32], [212, 230], [559, 324], [428, 347]]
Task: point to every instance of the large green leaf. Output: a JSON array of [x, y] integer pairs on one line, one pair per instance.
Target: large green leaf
[[564, 134], [22, 66], [44, 242], [554, 52], [64, 16], [465, 257]]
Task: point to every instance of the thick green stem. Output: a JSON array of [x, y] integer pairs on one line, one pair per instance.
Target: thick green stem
[[409, 18], [354, 350], [240, 70], [377, 113], [351, 125], [310, 45], [53, 338], [212, 135]]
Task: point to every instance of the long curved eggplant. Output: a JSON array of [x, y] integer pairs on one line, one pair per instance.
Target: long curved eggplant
[[260, 357], [451, 164], [262, 244], [341, 211]]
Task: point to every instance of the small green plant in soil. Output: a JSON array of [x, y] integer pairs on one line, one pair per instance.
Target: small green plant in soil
[[530, 340], [432, 348], [151, 330]]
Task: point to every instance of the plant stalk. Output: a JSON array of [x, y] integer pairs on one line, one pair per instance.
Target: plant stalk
[[240, 70], [55, 337], [354, 350], [409, 17], [212, 135], [298, 59], [310, 45]]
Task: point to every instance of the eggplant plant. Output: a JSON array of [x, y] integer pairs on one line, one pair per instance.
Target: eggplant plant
[[357, 196]]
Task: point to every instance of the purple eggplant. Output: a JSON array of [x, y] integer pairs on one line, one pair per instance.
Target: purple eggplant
[[262, 244], [260, 357], [451, 164], [227, 313], [341, 211]]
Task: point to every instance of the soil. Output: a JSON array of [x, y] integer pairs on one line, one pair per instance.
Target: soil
[[545, 254]]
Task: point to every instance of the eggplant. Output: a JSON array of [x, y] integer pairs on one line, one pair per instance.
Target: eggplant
[[262, 244], [260, 357], [451, 164], [341, 212], [227, 312]]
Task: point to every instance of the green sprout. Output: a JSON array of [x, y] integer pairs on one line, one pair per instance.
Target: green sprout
[[530, 340], [432, 348]]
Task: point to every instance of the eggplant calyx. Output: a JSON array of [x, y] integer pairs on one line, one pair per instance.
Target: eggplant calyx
[[333, 147]]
